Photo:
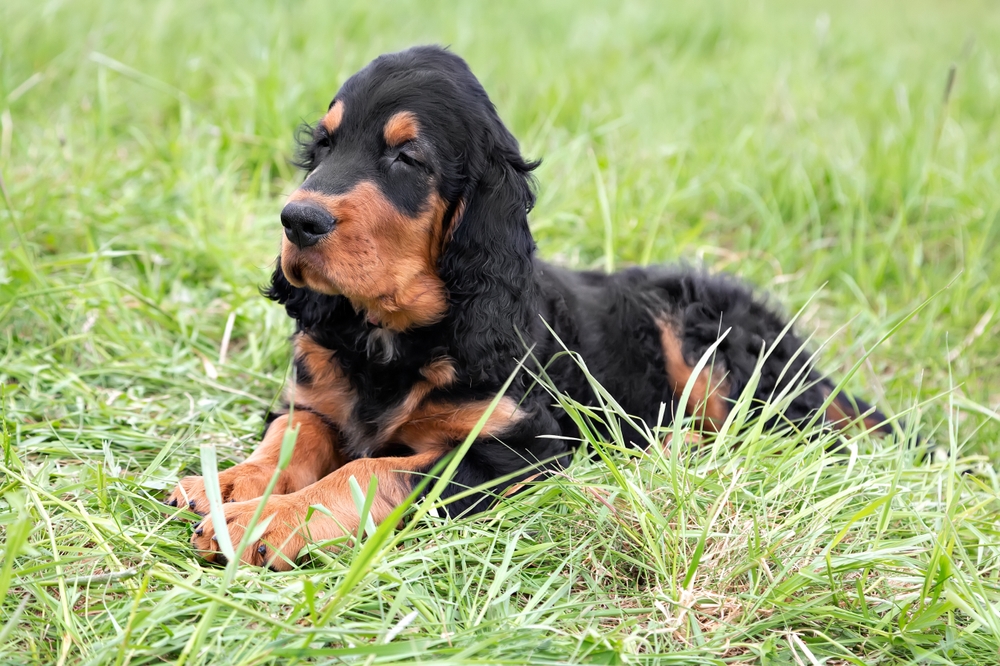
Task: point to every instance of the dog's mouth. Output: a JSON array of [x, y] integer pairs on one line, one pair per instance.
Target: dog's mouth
[[294, 275], [299, 271]]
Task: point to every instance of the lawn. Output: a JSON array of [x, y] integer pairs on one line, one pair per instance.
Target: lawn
[[844, 156]]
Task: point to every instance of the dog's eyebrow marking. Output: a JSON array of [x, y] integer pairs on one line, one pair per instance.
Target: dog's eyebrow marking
[[331, 121], [400, 128]]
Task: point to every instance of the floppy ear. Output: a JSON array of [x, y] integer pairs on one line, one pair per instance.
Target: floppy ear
[[487, 264], [308, 308]]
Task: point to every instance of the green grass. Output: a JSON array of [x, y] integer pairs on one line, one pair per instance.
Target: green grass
[[144, 151]]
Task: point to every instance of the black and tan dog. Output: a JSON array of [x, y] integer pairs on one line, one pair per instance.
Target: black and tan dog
[[409, 267]]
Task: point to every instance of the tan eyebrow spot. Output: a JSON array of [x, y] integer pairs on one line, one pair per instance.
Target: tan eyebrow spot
[[331, 121], [402, 127]]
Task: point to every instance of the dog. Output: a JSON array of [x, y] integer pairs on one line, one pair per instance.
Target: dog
[[409, 267]]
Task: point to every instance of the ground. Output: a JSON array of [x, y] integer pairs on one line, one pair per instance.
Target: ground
[[844, 156]]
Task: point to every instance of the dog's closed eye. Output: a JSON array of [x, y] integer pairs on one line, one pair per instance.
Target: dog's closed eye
[[404, 156]]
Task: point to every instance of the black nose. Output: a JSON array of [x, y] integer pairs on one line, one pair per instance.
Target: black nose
[[306, 223]]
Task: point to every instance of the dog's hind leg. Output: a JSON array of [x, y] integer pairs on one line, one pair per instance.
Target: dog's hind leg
[[846, 410]]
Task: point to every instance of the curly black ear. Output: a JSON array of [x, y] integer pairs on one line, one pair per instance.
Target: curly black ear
[[308, 308], [488, 264]]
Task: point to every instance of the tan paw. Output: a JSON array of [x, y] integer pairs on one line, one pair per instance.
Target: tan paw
[[282, 539], [243, 482]]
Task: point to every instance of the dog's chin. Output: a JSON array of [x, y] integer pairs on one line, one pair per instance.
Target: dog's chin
[[323, 287], [319, 285]]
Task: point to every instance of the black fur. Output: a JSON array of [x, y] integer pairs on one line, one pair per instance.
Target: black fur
[[501, 296]]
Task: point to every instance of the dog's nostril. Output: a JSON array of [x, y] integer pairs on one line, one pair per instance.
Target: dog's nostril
[[306, 223], [314, 227]]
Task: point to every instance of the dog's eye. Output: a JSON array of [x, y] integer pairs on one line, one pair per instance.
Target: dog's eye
[[323, 141], [404, 154], [407, 158]]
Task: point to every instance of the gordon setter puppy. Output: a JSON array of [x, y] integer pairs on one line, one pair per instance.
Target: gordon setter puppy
[[409, 268]]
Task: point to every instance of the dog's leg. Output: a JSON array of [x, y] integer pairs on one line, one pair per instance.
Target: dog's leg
[[288, 529], [314, 457], [847, 410], [488, 469], [708, 402]]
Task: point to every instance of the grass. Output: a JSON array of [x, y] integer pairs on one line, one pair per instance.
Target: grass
[[812, 148]]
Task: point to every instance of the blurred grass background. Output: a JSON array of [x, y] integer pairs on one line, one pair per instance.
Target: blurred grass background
[[810, 147]]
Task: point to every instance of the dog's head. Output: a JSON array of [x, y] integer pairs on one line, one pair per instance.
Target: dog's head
[[414, 206]]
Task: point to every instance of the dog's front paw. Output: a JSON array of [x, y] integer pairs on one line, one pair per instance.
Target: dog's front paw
[[279, 544], [243, 482]]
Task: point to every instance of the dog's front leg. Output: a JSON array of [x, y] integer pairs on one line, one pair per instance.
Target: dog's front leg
[[288, 528], [314, 457]]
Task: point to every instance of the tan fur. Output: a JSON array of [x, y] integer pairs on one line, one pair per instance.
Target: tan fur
[[414, 422], [438, 374], [436, 424], [836, 416], [287, 532], [841, 415], [313, 458], [384, 262], [456, 219], [707, 401], [402, 127], [329, 393], [331, 121]]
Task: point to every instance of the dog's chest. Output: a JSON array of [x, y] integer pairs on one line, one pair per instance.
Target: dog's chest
[[374, 404]]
